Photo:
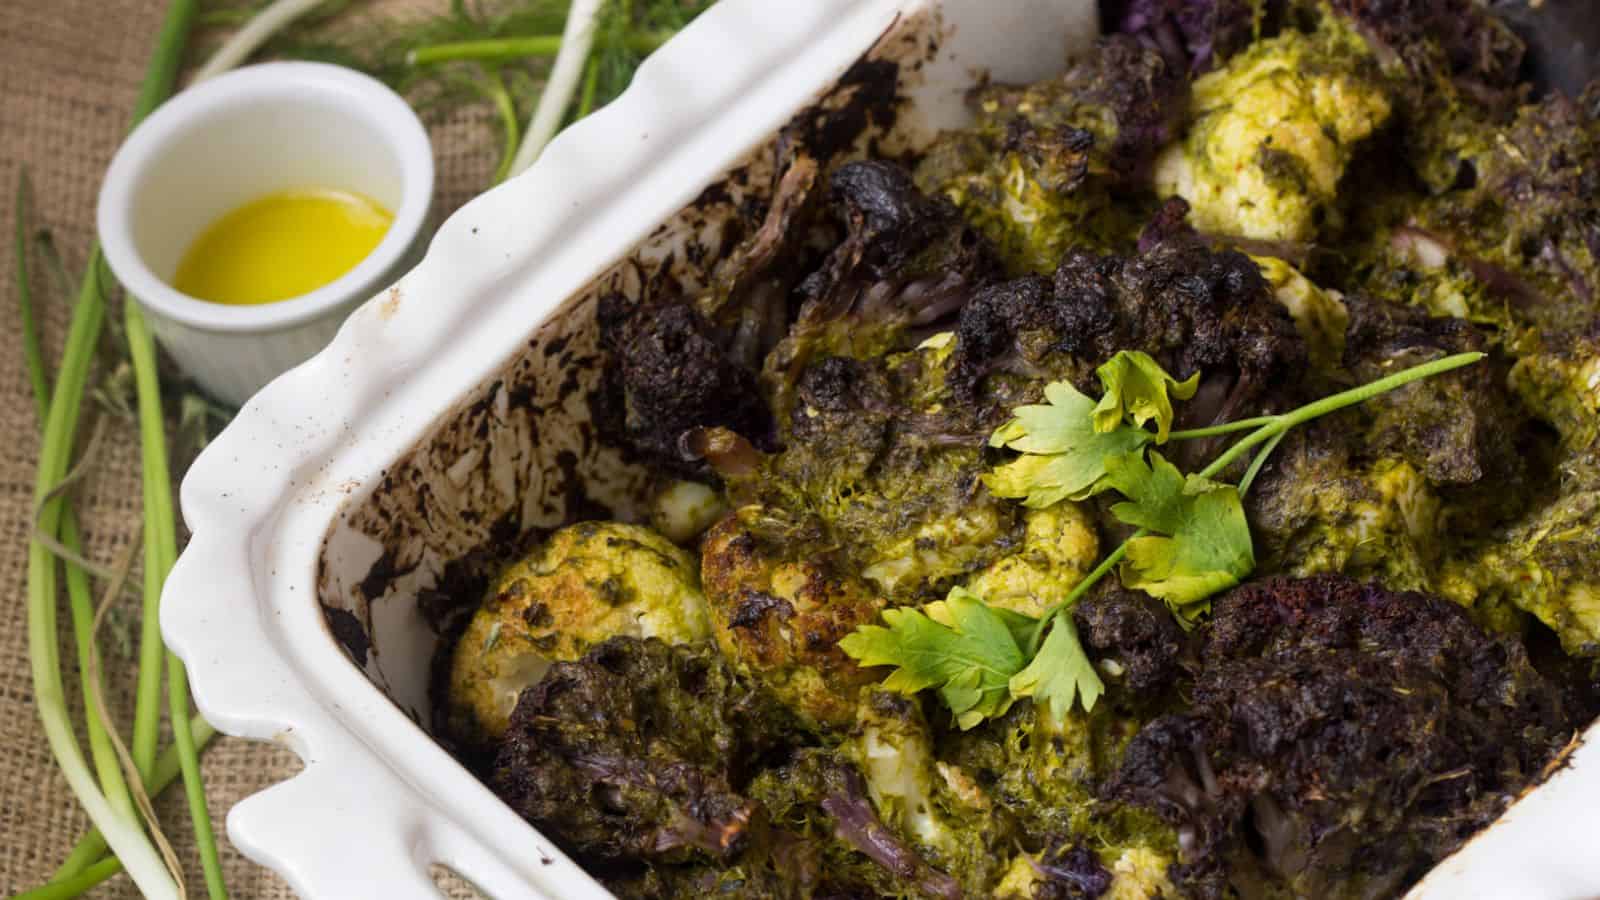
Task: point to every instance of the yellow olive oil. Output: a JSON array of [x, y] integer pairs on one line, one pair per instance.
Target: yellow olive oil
[[281, 245]]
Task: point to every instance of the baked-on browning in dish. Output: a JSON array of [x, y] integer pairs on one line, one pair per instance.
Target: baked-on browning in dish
[[1183, 482]]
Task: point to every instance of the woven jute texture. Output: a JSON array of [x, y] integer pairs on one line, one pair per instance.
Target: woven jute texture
[[69, 70]]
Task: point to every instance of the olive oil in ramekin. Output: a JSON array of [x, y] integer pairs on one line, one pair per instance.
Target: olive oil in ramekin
[[282, 245]]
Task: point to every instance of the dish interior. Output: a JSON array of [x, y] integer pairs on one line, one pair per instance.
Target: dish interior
[[519, 456]]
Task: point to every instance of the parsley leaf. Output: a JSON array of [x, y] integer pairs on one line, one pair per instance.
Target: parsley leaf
[[1061, 672], [959, 645], [1064, 455], [1193, 539], [1136, 385], [1202, 542]]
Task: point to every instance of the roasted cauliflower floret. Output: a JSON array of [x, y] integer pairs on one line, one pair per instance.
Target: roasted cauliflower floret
[[588, 582], [1037, 173], [931, 803], [938, 548], [640, 751], [875, 476], [1341, 739], [1547, 562], [1319, 315], [1059, 547], [1561, 385], [1547, 566], [1274, 130], [780, 620], [1045, 778], [1317, 511]]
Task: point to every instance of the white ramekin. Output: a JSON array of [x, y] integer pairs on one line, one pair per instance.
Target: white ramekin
[[226, 141], [378, 800]]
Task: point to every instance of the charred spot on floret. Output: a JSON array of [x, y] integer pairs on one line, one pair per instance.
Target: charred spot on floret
[[1107, 115], [906, 262], [843, 413], [1194, 309], [1141, 99], [639, 751], [1133, 638], [1342, 738], [668, 376], [1170, 224], [892, 229], [1456, 428]]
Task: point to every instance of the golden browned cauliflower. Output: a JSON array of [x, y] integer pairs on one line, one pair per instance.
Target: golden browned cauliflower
[[1059, 547], [1273, 132], [588, 582], [781, 619]]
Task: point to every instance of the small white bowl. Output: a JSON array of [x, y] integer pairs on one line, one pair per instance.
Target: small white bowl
[[234, 138]]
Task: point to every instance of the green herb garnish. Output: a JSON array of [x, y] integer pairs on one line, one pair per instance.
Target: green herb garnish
[[1197, 542], [959, 645], [1063, 454], [1136, 387], [1193, 540]]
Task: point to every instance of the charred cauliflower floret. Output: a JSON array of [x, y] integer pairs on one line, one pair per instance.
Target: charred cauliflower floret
[[587, 583], [1044, 776], [1414, 266], [1547, 561], [1561, 385], [832, 841], [876, 475], [1341, 740], [1133, 639], [638, 751], [1059, 547], [1458, 428], [1037, 172], [1194, 309], [1390, 489], [669, 375], [780, 619], [1319, 509], [1274, 129], [931, 803], [906, 260], [1530, 222], [1547, 565]]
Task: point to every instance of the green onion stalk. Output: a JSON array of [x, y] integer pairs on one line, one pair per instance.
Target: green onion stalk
[[107, 767], [87, 855], [161, 552], [510, 49], [118, 828], [566, 73]]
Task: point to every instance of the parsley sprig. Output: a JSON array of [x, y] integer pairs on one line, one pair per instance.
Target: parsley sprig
[[1192, 540]]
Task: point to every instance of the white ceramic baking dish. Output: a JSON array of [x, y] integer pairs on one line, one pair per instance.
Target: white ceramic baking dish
[[448, 419]]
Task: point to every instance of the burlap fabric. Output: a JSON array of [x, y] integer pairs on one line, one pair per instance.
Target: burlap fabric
[[69, 70]]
